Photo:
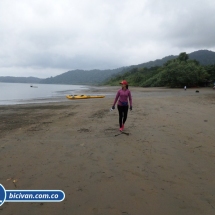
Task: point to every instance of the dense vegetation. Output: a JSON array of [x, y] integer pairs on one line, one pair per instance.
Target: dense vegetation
[[178, 72]]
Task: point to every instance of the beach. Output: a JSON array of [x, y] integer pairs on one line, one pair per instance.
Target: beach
[[164, 166]]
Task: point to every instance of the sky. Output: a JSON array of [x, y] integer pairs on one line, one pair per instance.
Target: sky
[[45, 38]]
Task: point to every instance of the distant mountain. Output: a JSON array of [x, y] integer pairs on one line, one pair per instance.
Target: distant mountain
[[81, 77], [158, 62], [204, 57], [96, 76], [10, 79]]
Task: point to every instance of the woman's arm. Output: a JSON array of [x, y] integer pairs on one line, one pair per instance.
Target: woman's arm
[[130, 98], [117, 96]]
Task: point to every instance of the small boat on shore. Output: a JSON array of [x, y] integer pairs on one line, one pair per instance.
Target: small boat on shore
[[84, 96]]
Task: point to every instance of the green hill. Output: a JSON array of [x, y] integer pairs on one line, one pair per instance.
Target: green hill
[[176, 72], [204, 57]]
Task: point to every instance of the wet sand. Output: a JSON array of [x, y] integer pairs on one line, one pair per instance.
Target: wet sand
[[165, 166]]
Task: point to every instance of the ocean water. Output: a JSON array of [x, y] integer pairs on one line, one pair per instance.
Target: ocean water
[[18, 93]]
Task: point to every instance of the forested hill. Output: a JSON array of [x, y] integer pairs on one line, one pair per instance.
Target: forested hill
[[81, 77], [177, 72], [204, 57]]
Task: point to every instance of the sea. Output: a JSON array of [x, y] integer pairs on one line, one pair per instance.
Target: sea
[[18, 93]]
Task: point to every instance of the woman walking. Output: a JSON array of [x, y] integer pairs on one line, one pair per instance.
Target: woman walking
[[122, 96]]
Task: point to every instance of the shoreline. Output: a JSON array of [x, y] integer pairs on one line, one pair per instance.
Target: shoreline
[[23, 94], [60, 98], [108, 91]]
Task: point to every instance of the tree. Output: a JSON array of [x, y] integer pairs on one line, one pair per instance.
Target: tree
[[211, 72], [180, 73], [183, 57]]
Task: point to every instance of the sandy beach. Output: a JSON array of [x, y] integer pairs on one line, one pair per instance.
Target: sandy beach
[[164, 166]]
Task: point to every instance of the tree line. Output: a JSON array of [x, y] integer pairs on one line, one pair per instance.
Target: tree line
[[177, 72]]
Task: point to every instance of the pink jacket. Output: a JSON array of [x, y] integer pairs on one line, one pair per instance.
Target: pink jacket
[[123, 96]]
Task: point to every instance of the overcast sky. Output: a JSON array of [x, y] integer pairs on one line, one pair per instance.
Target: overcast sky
[[44, 38]]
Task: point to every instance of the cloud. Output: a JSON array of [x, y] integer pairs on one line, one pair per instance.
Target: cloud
[[187, 24], [50, 36]]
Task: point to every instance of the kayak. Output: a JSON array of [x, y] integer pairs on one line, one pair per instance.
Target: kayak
[[84, 97]]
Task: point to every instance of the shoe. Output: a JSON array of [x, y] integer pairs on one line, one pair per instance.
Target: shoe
[[120, 129], [123, 127]]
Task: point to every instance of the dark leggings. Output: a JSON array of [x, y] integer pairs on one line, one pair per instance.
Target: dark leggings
[[123, 112]]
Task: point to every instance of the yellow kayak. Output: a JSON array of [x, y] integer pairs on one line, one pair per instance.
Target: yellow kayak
[[84, 97]]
